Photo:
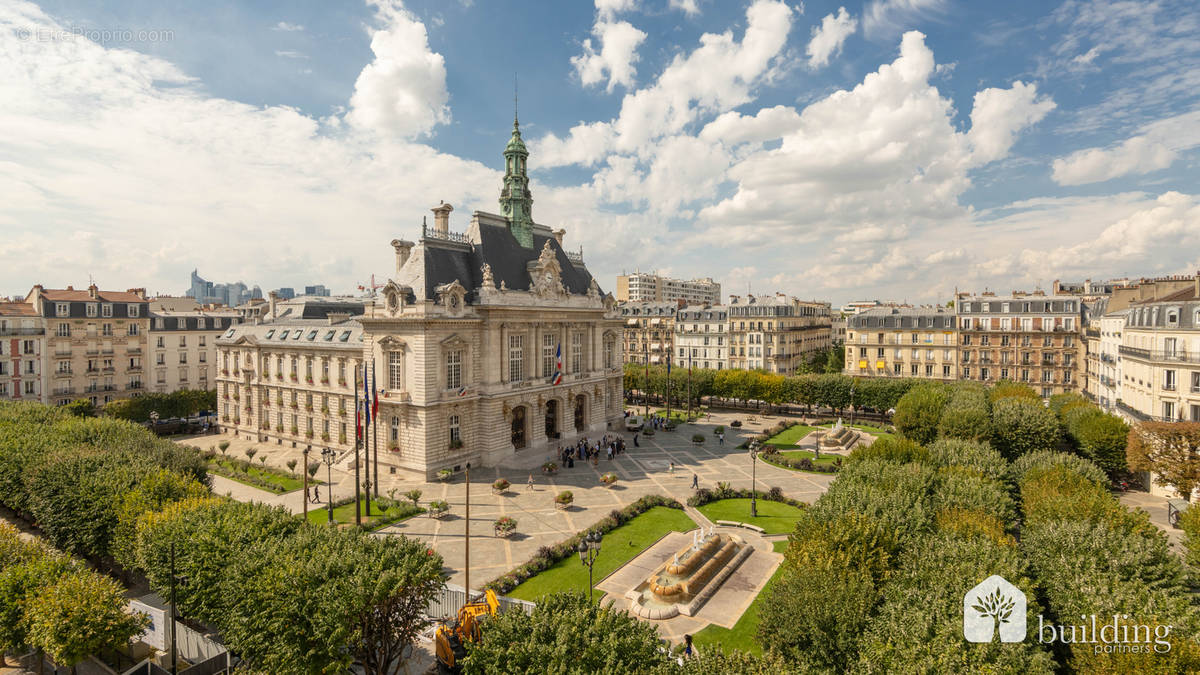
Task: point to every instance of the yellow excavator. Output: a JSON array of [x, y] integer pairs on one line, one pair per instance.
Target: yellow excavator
[[452, 634]]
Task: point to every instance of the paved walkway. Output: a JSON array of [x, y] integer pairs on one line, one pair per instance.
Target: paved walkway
[[1157, 508]]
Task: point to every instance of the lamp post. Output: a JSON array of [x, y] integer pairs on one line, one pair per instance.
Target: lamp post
[[753, 479], [307, 449], [852, 405], [589, 550], [328, 456]]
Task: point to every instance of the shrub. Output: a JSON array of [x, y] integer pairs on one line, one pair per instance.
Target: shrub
[[504, 525], [1076, 464], [564, 497], [438, 507], [1099, 436], [445, 474], [413, 495], [697, 438], [500, 485], [967, 414], [1006, 389], [718, 430], [549, 467], [608, 478], [735, 423], [890, 449]]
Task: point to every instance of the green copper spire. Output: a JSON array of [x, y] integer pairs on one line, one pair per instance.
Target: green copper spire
[[516, 203]]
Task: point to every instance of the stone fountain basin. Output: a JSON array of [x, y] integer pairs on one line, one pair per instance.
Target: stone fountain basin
[[666, 594]]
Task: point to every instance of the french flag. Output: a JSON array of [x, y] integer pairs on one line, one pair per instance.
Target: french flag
[[462, 391], [557, 379]]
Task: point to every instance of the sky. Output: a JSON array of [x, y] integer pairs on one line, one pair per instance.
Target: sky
[[886, 149]]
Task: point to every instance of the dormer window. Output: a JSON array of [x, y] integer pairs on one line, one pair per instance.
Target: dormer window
[[91, 309]]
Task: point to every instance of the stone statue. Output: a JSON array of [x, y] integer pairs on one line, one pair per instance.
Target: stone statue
[[838, 425], [488, 280], [675, 559]]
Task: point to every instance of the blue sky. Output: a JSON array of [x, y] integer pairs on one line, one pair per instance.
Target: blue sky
[[892, 149]]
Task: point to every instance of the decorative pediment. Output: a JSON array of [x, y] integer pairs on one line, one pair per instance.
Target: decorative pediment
[[454, 342], [610, 334], [392, 344], [246, 340], [545, 275], [452, 296]]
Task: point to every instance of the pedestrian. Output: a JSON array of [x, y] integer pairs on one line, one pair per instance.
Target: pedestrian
[[635, 441], [316, 494], [695, 482], [687, 646], [721, 438], [530, 481], [672, 468]]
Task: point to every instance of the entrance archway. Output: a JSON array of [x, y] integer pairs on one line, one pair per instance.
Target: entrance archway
[[580, 404], [552, 418], [518, 427]]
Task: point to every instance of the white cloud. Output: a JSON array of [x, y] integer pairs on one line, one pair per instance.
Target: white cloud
[[607, 9], [618, 52], [999, 114], [733, 128], [287, 27], [401, 93], [689, 7], [884, 18], [827, 38], [1156, 146], [290, 54]]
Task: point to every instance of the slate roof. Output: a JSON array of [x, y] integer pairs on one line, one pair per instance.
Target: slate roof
[[74, 295], [446, 262]]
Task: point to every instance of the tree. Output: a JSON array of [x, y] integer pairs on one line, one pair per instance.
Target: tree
[[565, 634], [1099, 436], [291, 465], [19, 583], [153, 493], [1021, 425], [919, 411], [81, 407], [413, 495], [83, 613], [1170, 451]]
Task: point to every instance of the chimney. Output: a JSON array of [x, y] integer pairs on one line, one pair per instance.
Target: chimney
[[273, 297], [1197, 286], [403, 249], [140, 292], [441, 219], [93, 291], [558, 236]]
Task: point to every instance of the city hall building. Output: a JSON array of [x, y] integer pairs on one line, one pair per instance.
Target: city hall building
[[486, 344]]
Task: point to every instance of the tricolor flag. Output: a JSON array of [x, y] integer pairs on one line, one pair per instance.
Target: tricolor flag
[[374, 394], [366, 399], [557, 379], [462, 391]]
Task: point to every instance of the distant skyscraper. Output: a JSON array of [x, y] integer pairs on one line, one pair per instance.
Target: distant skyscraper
[[256, 293], [286, 293], [318, 290]]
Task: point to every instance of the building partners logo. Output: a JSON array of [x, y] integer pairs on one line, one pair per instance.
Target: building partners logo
[[994, 606], [1116, 637]]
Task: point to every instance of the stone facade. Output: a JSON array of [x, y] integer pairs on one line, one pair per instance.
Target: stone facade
[[1026, 337], [646, 287], [702, 337], [1160, 358], [649, 331], [95, 343], [22, 343], [183, 347], [776, 333], [910, 342]]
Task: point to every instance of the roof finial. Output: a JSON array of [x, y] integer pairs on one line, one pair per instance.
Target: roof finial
[[515, 124]]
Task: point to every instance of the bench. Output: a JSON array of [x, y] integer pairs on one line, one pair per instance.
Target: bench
[[748, 526]]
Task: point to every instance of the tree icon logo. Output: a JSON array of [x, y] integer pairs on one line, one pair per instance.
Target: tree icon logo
[[994, 606]]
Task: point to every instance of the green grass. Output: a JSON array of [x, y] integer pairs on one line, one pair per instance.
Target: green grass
[[279, 481], [344, 515], [873, 430], [773, 517], [790, 436], [826, 457], [618, 547], [742, 635]]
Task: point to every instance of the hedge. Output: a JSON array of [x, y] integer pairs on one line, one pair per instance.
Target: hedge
[[703, 496], [1021, 425], [547, 556], [919, 412]]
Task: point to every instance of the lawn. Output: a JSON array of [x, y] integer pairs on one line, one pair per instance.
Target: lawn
[[826, 457], [879, 432], [344, 514], [262, 477], [618, 547], [741, 636], [773, 517], [790, 436]]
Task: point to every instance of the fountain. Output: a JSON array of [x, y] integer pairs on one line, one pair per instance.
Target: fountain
[[684, 583], [839, 436]]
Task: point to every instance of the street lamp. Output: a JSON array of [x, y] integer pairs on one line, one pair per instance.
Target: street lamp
[[589, 550], [305, 472], [851, 405], [329, 455], [753, 479]]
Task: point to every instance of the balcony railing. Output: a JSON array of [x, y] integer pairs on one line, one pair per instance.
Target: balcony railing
[[22, 331], [1176, 356]]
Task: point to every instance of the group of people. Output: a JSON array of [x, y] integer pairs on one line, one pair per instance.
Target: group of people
[[586, 450]]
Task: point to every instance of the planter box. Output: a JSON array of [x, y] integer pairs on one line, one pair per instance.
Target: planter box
[[505, 535], [497, 492], [561, 506]]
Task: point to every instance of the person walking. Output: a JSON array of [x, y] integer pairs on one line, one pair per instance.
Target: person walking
[[721, 438], [316, 494], [635, 441], [687, 646], [530, 483], [671, 470], [695, 482]]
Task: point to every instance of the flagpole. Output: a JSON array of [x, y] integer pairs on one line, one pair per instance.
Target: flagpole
[[375, 421], [646, 393], [366, 450], [668, 388], [357, 477], [689, 384]]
